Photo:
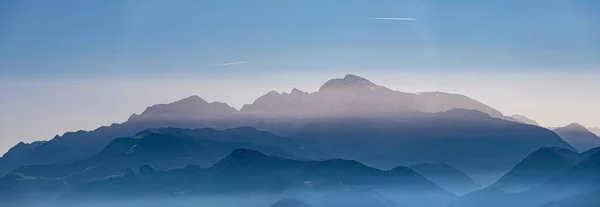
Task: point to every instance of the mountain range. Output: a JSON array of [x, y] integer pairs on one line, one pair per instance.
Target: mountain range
[[448, 177], [164, 149], [349, 117], [467, 139], [356, 96], [245, 173], [14, 156], [548, 177], [253, 178], [346, 144], [536, 168]]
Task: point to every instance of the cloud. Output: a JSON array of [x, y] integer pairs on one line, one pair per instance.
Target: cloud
[[231, 63], [395, 18]]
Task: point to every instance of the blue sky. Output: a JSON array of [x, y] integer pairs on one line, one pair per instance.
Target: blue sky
[[152, 37], [70, 65]]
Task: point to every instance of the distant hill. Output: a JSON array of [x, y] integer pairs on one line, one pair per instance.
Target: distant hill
[[578, 136], [577, 185], [243, 134], [536, 168], [590, 152], [12, 158], [245, 164], [524, 119], [246, 172], [163, 149], [77, 145], [466, 139], [448, 177], [580, 178]]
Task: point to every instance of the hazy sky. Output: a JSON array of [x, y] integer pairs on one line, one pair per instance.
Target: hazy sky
[[69, 65]]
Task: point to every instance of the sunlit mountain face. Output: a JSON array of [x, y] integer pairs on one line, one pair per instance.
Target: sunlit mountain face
[[299, 103]]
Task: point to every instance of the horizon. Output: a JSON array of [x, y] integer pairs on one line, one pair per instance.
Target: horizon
[[309, 85]]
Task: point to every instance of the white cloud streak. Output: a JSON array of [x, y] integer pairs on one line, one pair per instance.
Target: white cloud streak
[[231, 63], [395, 18]]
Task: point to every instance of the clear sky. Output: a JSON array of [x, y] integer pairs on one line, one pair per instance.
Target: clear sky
[[69, 65]]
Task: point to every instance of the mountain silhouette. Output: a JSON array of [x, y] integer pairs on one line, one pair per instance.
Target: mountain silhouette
[[536, 168], [163, 149], [590, 152], [239, 134], [349, 81], [77, 145], [524, 119], [579, 178], [188, 109], [447, 176], [12, 158], [578, 136], [250, 163], [576, 185], [337, 102], [249, 172], [356, 96], [72, 146], [467, 139]]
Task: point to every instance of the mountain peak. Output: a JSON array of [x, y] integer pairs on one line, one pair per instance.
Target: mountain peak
[[272, 93], [549, 156], [348, 81], [578, 136], [575, 126], [354, 78], [296, 91], [190, 108], [192, 99]]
